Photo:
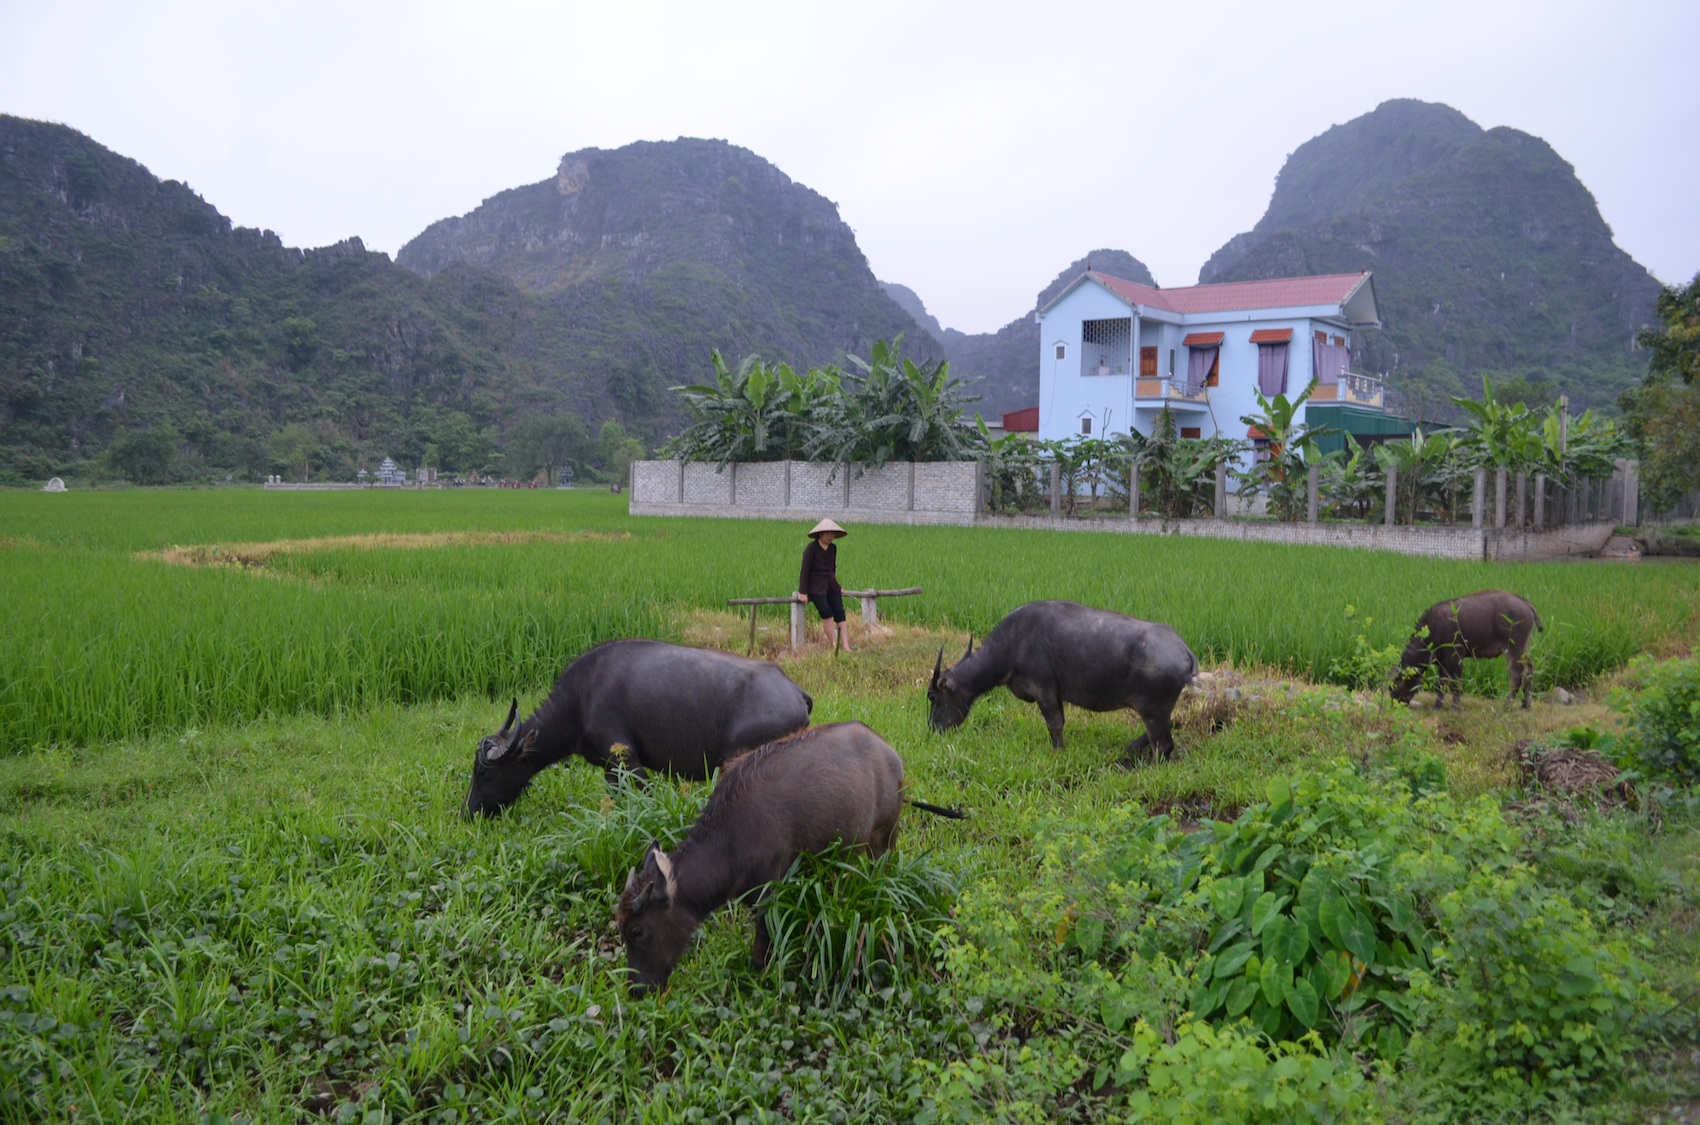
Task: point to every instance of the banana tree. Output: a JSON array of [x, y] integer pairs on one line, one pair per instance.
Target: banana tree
[[1417, 461], [893, 409], [754, 412], [1284, 475], [1179, 474], [1351, 484]]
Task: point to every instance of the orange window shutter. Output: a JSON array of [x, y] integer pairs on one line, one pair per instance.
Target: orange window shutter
[[1212, 379]]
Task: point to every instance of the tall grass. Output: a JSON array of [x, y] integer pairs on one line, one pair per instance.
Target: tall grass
[[99, 644]]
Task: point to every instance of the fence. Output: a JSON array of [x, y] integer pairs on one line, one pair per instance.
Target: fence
[[1514, 517]]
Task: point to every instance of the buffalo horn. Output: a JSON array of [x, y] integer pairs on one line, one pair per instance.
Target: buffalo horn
[[642, 900], [970, 651], [513, 713], [938, 665]]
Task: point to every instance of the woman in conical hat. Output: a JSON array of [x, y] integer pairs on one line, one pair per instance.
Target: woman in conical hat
[[818, 582]]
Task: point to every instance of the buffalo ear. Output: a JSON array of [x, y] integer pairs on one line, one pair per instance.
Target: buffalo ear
[[528, 744], [498, 747]]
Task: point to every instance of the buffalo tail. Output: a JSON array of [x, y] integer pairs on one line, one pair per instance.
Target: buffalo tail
[[939, 810]]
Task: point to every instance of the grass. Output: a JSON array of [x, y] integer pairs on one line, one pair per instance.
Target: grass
[[250, 893], [494, 592]]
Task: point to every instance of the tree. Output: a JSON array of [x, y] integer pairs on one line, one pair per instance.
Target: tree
[[1285, 473], [146, 456], [616, 451], [1664, 411], [895, 410], [295, 445], [546, 442]]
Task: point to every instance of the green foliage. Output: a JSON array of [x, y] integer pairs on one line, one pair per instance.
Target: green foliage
[[755, 412], [1284, 474], [1205, 1075], [547, 443], [1351, 485], [147, 456], [841, 921], [1661, 705], [1664, 412], [894, 410], [1675, 341], [1366, 667], [1524, 993], [1178, 475]]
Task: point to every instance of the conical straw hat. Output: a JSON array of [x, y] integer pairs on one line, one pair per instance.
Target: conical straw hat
[[826, 525]]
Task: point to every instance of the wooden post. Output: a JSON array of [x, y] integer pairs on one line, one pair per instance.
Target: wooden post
[[1221, 490], [752, 647], [1392, 502], [1540, 520], [1499, 498], [799, 634], [1056, 488], [1478, 498], [1313, 510], [1522, 496]]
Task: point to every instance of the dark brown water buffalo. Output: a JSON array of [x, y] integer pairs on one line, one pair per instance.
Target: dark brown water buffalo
[[1485, 624], [1051, 653], [642, 705], [836, 783]]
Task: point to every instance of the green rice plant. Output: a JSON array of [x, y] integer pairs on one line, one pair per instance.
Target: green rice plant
[[841, 921], [607, 840]]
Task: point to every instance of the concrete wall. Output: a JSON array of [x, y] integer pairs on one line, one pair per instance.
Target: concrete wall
[[943, 492], [947, 492]]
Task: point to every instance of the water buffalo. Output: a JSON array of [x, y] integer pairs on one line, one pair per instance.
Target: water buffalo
[[640, 705], [1480, 625], [1051, 653], [836, 783]]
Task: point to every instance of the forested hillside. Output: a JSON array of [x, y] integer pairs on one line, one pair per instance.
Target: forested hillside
[[1489, 255], [141, 334]]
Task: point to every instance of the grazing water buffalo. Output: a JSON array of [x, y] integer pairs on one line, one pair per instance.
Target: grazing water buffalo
[[840, 782], [641, 705], [1051, 653], [1480, 625]]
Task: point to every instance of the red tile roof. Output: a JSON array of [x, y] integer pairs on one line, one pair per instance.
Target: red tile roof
[[1232, 296], [1203, 340], [1272, 336]]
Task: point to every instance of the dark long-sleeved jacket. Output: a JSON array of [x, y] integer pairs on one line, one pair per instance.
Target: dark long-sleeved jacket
[[820, 570]]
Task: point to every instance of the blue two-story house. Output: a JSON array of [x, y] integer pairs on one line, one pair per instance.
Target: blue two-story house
[[1113, 351]]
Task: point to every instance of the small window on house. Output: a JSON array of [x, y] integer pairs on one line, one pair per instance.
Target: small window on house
[[1339, 341], [1086, 425], [1321, 336], [1171, 363], [1192, 431], [1062, 351]]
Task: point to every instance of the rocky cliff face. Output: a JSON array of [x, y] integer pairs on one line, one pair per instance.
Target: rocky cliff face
[[1488, 253], [654, 224]]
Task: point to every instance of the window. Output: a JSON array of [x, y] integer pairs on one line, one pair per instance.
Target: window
[[1321, 336], [1105, 346], [1171, 363], [1086, 424], [1062, 351], [1192, 431], [1339, 341]]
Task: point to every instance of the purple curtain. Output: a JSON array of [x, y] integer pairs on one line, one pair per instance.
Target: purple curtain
[[1330, 361], [1199, 361], [1272, 369]]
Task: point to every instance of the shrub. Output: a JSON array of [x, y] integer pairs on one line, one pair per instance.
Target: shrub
[[840, 920], [1525, 994], [1230, 1076], [1662, 705]]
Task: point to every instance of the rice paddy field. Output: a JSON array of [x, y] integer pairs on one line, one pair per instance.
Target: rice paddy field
[[235, 729]]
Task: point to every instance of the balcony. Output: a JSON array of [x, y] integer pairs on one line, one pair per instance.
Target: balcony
[[1354, 390], [1168, 390]]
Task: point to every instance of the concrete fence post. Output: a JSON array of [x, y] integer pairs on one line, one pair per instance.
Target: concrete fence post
[[681, 480], [1478, 497], [1056, 488], [911, 505], [1221, 490], [1313, 509], [870, 612], [1392, 495], [799, 634], [1522, 495], [1133, 490], [1632, 494], [1499, 498], [1540, 501], [981, 482]]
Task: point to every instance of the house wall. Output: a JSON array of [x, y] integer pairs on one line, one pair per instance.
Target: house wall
[[1064, 393]]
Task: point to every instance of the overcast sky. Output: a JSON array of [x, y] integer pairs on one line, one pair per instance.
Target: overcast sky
[[976, 148]]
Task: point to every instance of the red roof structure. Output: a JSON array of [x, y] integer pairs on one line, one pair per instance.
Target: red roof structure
[[1203, 340], [1234, 296], [1272, 336], [1023, 421]]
